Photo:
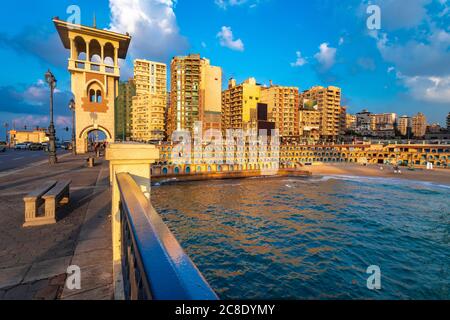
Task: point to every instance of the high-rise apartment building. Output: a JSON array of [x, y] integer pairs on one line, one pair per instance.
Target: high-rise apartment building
[[150, 77], [350, 122], [282, 103], [419, 125], [210, 96], [127, 90], [195, 93], [343, 121], [149, 105], [363, 122], [240, 104], [448, 121], [328, 101], [383, 121], [404, 126], [309, 123]]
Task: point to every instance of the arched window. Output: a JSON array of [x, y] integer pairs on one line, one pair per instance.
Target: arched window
[[92, 95], [99, 96], [108, 52], [80, 48]]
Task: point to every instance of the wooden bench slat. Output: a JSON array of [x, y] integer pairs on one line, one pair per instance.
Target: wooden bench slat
[[37, 193], [58, 189]]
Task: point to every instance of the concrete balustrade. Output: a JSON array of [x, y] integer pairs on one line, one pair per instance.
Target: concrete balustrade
[[136, 160]]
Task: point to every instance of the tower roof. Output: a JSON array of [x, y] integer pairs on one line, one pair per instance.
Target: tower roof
[[64, 27]]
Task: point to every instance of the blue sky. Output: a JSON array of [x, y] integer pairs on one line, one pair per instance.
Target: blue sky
[[404, 67]]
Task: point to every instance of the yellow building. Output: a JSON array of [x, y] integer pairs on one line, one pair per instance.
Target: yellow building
[[147, 117], [195, 91], [404, 125], [328, 101], [239, 105], [21, 136], [419, 125], [298, 155], [383, 121], [309, 123], [282, 103], [94, 68], [350, 122], [210, 95], [149, 104]]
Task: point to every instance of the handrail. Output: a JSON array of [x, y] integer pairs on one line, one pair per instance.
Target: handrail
[[153, 262]]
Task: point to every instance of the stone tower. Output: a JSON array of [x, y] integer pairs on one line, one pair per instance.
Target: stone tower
[[95, 73]]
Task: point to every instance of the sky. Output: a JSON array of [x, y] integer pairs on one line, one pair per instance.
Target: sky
[[401, 66]]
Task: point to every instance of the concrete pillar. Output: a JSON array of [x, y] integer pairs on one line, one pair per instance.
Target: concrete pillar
[[136, 160]]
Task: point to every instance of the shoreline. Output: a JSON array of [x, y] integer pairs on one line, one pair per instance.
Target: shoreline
[[440, 176], [230, 175]]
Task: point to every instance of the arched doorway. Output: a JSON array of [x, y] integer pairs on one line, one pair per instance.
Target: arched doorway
[[90, 136]]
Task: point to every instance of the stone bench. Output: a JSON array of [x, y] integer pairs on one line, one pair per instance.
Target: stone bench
[[52, 193], [59, 194], [32, 203]]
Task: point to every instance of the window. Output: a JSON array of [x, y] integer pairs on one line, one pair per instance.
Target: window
[[92, 95], [99, 96]]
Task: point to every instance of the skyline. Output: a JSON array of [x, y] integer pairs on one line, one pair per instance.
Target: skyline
[[403, 68]]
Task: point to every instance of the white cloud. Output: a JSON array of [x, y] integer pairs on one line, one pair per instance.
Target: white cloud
[[424, 58], [152, 24], [421, 65], [300, 60], [341, 41], [203, 44], [30, 121], [224, 4], [62, 121], [326, 56], [429, 89], [227, 39]]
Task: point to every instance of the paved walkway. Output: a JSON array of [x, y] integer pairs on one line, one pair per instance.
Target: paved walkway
[[34, 261]]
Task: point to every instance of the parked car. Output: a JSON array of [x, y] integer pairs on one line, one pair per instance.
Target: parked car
[[44, 146], [21, 146], [35, 147]]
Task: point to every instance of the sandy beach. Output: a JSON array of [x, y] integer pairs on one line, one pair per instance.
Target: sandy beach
[[441, 176]]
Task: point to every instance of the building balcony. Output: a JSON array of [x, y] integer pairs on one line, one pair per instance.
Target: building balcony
[[88, 66]]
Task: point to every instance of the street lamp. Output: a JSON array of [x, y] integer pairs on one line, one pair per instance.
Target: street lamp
[[51, 81], [6, 125], [74, 142]]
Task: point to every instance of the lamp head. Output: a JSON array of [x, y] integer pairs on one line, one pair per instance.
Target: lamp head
[[72, 104]]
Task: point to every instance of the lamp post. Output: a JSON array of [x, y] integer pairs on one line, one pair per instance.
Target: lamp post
[[74, 141], [6, 125], [51, 81]]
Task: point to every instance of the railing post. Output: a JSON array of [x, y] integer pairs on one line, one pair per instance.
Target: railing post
[[136, 160]]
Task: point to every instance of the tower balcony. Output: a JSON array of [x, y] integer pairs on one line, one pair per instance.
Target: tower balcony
[[96, 67]]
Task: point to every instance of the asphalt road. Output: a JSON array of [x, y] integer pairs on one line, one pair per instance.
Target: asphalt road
[[17, 159]]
